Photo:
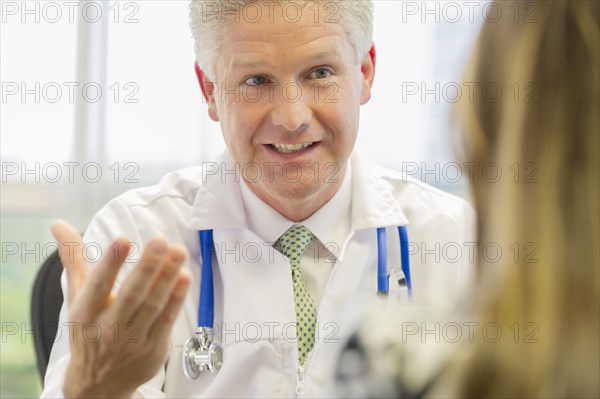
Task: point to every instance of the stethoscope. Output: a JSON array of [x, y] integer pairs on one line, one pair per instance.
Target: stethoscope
[[201, 354]]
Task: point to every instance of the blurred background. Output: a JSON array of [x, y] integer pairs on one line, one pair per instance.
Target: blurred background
[[99, 97]]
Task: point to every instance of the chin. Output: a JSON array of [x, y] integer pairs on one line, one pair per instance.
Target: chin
[[297, 191]]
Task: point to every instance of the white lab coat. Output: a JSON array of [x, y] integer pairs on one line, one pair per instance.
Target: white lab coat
[[254, 301]]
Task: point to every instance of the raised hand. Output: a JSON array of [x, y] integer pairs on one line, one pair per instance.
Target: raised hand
[[118, 342]]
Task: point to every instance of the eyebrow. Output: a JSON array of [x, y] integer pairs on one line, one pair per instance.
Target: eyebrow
[[325, 54], [247, 64], [257, 64]]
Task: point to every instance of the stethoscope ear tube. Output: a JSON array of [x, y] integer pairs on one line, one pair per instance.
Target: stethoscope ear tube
[[199, 353], [383, 279], [383, 283], [405, 259], [206, 306]]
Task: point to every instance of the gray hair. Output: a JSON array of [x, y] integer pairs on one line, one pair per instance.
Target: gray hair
[[206, 16]]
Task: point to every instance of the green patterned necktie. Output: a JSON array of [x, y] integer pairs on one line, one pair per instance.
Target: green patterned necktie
[[292, 244]]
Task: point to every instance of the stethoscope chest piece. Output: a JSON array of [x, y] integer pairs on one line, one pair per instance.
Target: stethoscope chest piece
[[200, 354]]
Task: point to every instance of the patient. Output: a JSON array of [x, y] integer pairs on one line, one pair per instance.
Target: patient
[[543, 294]]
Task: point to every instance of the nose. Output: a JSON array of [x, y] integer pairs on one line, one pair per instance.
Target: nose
[[290, 108]]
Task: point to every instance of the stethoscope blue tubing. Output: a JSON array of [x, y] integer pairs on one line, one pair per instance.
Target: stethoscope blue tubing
[[206, 307]]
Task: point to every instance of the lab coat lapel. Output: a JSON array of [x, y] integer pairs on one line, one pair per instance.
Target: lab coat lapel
[[253, 273], [250, 272], [352, 287]]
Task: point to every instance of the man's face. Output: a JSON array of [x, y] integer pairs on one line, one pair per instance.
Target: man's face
[[281, 84]]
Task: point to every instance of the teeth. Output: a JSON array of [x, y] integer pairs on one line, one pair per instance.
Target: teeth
[[287, 148]]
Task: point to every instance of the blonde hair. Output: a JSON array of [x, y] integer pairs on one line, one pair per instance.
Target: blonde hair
[[208, 16], [551, 212]]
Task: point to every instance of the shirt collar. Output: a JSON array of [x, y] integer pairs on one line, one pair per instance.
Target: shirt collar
[[263, 220], [330, 224]]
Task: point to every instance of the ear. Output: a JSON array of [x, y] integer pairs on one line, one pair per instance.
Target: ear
[[208, 92], [367, 68]]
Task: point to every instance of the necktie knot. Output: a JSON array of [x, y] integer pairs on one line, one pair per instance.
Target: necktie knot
[[293, 243]]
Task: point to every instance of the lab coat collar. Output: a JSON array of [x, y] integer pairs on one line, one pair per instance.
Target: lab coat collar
[[373, 201], [218, 203]]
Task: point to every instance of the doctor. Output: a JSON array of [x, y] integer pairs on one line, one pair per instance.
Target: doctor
[[287, 94]]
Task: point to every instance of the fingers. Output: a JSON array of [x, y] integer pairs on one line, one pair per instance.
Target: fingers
[[164, 323], [153, 292], [138, 285], [96, 293], [156, 301], [71, 256]]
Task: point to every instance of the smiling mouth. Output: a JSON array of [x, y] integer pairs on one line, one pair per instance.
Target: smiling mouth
[[290, 148]]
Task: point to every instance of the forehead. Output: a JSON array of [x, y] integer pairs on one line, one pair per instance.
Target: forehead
[[287, 29]]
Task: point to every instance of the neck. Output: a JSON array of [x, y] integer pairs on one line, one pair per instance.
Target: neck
[[299, 209]]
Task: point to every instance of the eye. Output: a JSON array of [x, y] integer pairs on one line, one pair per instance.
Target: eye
[[257, 80], [321, 73]]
